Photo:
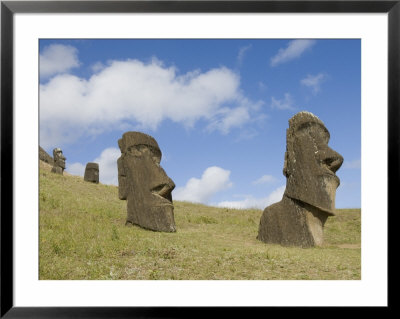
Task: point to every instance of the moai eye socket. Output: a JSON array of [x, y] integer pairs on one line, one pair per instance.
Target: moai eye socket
[[142, 150], [156, 155], [134, 151], [156, 159]]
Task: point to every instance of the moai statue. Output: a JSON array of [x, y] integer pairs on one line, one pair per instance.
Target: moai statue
[[144, 184], [43, 156], [92, 173], [309, 199], [59, 161]]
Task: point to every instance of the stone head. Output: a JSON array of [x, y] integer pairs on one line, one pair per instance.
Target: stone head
[[59, 159], [310, 164], [144, 183], [92, 173]]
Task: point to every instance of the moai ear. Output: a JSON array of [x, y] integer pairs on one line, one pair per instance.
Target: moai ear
[[285, 165], [122, 185]]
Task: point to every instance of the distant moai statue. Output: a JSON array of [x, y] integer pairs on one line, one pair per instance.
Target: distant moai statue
[[309, 199], [43, 156], [59, 161], [92, 173], [144, 183]]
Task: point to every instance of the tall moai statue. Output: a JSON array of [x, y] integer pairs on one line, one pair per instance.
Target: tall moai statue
[[309, 199], [59, 161], [92, 173], [144, 183]]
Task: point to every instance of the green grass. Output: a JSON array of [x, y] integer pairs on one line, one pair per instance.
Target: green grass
[[83, 236]]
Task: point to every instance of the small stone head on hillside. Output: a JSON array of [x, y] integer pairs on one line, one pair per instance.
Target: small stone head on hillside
[[92, 173], [310, 164], [59, 161], [144, 183]]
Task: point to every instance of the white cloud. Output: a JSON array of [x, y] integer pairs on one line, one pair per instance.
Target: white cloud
[[58, 58], [293, 50], [265, 179], [213, 180], [242, 52], [227, 118], [251, 202], [314, 81], [355, 164], [98, 66], [108, 171], [284, 104], [140, 95]]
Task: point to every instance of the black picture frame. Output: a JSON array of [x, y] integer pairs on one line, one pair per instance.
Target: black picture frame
[[9, 8]]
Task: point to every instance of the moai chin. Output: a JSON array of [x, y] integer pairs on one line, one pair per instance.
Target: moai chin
[[144, 183], [59, 161], [309, 199], [92, 173]]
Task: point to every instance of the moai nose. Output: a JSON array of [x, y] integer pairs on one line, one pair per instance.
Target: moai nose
[[162, 184], [333, 160]]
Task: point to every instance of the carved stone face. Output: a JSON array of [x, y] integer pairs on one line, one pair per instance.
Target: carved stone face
[[310, 164], [144, 183], [59, 159], [92, 173]]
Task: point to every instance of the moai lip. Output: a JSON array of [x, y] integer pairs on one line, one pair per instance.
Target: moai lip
[[144, 183], [310, 168]]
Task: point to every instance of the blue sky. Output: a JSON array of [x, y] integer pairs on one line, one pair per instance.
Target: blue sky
[[219, 109]]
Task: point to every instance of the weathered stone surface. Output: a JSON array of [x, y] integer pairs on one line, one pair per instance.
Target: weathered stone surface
[[92, 173], [309, 199], [45, 157], [59, 161], [144, 184]]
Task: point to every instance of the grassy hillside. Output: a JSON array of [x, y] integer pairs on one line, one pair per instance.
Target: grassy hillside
[[82, 236]]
